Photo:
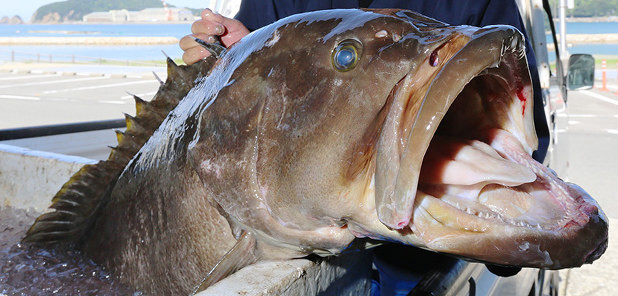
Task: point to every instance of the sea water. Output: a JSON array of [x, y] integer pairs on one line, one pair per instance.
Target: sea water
[[89, 30], [591, 28], [66, 53]]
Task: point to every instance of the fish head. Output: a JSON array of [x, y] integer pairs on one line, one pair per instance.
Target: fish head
[[452, 167], [393, 126]]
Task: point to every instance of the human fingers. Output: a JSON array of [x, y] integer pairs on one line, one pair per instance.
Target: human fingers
[[193, 51], [233, 30], [188, 41], [207, 27], [194, 54]]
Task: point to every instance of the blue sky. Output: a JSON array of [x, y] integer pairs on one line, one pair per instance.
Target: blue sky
[[25, 9]]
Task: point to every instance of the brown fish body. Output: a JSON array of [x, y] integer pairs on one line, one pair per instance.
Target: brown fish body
[[303, 142]]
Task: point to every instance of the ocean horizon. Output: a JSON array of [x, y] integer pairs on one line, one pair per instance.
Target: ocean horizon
[[68, 53]]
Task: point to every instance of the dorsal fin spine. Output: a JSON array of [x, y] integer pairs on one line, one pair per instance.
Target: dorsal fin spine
[[75, 206]]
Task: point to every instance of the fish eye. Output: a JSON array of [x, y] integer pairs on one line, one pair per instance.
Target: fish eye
[[346, 55]]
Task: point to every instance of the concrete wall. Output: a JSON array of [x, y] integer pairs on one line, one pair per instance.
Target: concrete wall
[[30, 178]]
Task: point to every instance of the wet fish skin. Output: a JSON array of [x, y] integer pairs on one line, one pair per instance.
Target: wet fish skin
[[277, 142]]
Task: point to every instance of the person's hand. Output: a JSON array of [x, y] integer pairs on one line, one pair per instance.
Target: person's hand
[[211, 24]]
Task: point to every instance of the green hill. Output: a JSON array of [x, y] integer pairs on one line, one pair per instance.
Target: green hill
[[589, 8], [73, 10]]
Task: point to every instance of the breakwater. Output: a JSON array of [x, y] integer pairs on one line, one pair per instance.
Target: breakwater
[[591, 38], [125, 40]]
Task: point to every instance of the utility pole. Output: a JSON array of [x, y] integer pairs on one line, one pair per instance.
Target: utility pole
[[564, 4], [562, 16]]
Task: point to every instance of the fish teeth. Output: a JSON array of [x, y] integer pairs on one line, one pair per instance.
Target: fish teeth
[[485, 215]]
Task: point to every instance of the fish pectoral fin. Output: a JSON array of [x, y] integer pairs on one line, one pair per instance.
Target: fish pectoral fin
[[74, 206], [240, 255]]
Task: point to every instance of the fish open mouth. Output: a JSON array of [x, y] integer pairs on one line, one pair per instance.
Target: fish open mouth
[[479, 194]]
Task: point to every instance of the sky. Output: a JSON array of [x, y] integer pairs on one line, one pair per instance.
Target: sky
[[26, 8]]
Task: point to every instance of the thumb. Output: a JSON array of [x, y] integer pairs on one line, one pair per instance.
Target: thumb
[[233, 31]]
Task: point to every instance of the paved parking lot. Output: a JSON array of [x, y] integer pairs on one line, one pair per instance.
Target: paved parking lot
[[39, 94], [593, 145]]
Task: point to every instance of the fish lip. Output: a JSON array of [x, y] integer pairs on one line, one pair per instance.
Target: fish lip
[[394, 205]]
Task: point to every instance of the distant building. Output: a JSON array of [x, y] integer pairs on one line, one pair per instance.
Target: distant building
[[112, 16], [144, 15]]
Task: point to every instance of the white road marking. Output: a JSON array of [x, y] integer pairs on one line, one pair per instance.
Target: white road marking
[[27, 77], [54, 81], [587, 115], [97, 86], [113, 102], [127, 97], [583, 115], [599, 97], [612, 131], [27, 98]]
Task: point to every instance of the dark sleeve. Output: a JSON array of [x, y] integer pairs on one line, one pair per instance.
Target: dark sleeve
[[255, 14], [506, 12], [495, 14]]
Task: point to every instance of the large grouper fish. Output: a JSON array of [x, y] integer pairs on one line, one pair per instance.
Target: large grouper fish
[[319, 129]]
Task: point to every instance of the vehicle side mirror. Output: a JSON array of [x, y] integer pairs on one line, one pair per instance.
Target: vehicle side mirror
[[581, 72]]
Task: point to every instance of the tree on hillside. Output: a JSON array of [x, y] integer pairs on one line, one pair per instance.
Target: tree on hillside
[[75, 9], [589, 8]]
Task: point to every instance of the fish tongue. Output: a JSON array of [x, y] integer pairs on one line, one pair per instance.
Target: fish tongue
[[467, 162]]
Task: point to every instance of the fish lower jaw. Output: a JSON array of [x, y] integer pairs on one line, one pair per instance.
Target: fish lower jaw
[[531, 214], [494, 178], [459, 218]]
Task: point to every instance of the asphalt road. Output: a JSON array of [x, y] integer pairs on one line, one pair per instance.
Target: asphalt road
[[34, 95], [593, 147]]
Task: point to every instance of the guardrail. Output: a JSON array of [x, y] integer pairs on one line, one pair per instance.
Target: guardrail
[[58, 129], [22, 56]]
